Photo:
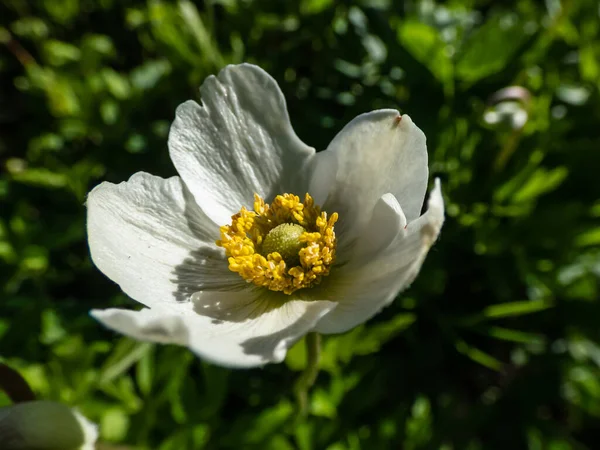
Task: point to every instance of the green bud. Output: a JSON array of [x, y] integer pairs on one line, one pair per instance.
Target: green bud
[[44, 425]]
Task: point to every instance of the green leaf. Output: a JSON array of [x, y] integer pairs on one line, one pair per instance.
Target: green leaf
[[506, 334], [30, 27], [373, 337], [589, 65], [296, 356], [321, 405], [362, 340], [516, 308], [418, 426], [114, 424], [490, 48], [541, 182], [147, 75], [588, 238], [260, 427], [427, 47], [309, 7], [216, 384], [35, 258], [38, 176], [530, 182], [145, 373], [197, 29], [59, 53], [52, 330], [479, 356], [62, 11], [116, 83], [125, 354], [194, 437], [99, 43]]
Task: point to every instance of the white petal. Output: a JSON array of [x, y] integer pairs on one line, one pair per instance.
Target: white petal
[[387, 220], [362, 292], [233, 329], [149, 236], [376, 153], [89, 429], [323, 176], [239, 142]]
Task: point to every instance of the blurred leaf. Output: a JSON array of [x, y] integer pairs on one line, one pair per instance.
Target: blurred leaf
[[144, 372], [531, 182], [59, 53], [425, 44], [361, 340], [515, 308], [124, 355], [38, 176], [202, 36], [109, 110], [321, 405], [314, 6], [62, 11], [589, 55], [147, 75], [507, 334], [490, 48], [478, 355], [60, 92], [30, 27], [194, 437], [418, 426], [52, 329], [589, 238], [116, 83], [167, 26], [539, 183], [259, 427], [216, 389], [98, 43], [114, 425]]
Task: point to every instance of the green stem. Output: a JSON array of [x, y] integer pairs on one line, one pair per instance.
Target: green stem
[[309, 375], [508, 149]]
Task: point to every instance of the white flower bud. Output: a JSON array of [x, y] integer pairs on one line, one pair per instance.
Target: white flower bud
[[45, 425]]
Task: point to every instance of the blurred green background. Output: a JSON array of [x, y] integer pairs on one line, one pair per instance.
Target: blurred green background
[[497, 343]]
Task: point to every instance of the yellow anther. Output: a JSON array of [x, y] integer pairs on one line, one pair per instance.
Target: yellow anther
[[285, 246]]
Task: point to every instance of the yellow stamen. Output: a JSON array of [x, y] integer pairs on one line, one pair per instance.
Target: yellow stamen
[[307, 243]]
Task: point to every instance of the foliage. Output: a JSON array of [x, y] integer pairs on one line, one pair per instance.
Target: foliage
[[496, 344]]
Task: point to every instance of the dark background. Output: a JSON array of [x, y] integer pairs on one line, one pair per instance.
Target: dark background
[[497, 343]]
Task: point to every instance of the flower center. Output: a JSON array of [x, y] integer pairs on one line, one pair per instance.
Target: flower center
[[285, 246], [285, 240]]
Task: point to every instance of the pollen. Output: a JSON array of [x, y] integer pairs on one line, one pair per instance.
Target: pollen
[[285, 246]]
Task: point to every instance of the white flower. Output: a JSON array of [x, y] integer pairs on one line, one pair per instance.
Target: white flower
[[157, 238], [45, 425]]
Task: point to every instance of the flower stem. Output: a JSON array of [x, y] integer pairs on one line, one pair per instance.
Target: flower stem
[[309, 375]]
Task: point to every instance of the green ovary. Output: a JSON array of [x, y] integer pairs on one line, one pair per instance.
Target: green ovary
[[285, 240]]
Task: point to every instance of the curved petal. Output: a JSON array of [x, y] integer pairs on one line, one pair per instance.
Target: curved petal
[[376, 153], [387, 221], [362, 291], [149, 236], [232, 329], [89, 429], [237, 143]]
